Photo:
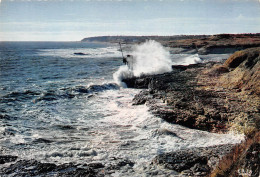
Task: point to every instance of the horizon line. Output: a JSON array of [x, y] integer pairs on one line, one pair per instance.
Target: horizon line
[[129, 36]]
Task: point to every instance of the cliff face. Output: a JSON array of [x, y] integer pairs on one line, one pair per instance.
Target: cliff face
[[245, 71], [223, 43], [137, 39]]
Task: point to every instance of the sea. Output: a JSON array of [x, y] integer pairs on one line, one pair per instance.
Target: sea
[[59, 107]]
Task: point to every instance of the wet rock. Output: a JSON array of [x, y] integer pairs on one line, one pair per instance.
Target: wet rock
[[35, 168], [195, 96], [96, 165], [7, 158], [179, 67], [7, 117], [80, 53], [27, 167], [141, 98], [117, 164], [194, 161], [184, 104], [125, 162], [90, 152], [140, 83], [42, 140]]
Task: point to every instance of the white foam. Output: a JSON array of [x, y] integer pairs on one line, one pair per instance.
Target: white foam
[[125, 132], [105, 52], [151, 58], [148, 58], [185, 59], [133, 133]]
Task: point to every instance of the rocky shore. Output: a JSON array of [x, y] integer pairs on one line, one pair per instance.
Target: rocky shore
[[214, 97], [13, 166], [191, 44]]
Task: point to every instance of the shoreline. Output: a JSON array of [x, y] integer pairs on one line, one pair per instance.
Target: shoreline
[[199, 96], [190, 44], [215, 97]]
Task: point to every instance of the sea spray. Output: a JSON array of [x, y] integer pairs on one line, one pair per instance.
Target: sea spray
[[148, 58], [122, 73], [193, 59]]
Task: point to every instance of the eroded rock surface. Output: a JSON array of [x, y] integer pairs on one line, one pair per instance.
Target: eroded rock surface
[[35, 168], [194, 161]]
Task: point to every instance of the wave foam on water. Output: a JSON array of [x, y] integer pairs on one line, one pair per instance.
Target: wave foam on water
[[86, 52], [124, 132], [187, 60], [67, 124], [133, 133]]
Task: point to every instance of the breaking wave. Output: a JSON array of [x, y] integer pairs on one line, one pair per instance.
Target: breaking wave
[[192, 59], [147, 58]]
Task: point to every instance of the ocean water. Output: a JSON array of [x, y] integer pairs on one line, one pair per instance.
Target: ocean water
[[59, 107]]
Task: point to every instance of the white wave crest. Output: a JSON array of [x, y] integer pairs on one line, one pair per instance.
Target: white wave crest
[[193, 59], [122, 73], [148, 58], [151, 58], [185, 59]]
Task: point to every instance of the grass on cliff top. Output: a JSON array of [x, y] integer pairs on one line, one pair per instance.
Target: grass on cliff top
[[243, 124]]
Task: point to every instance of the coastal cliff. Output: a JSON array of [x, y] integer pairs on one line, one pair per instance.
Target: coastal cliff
[[191, 44], [215, 97], [219, 44]]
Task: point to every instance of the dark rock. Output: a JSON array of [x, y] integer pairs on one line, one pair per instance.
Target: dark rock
[[7, 158], [141, 98], [42, 140], [96, 165], [81, 89], [35, 168], [80, 53], [185, 105], [7, 117], [194, 161], [125, 162], [140, 83], [180, 67]]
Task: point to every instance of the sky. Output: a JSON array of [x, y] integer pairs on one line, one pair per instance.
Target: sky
[[73, 20]]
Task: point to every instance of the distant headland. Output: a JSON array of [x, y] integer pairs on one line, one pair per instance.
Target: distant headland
[[202, 44]]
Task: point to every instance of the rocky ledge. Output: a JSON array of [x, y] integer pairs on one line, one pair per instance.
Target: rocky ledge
[[194, 161], [215, 97], [13, 166], [221, 43]]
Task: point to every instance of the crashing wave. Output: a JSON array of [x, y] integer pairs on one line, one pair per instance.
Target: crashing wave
[[147, 58]]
